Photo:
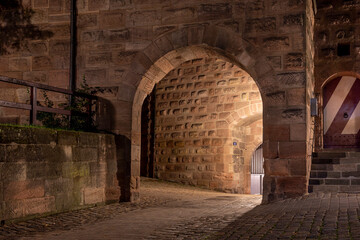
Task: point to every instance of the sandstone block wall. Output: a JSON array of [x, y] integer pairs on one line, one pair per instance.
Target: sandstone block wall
[[48, 171], [122, 44], [196, 140]]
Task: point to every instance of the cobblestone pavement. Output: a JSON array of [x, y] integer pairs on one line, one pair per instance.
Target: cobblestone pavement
[[162, 206], [316, 216], [171, 211]]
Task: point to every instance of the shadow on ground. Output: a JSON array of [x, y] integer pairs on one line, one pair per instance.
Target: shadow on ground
[[316, 216]]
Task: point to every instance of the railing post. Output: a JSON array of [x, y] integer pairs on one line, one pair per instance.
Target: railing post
[[89, 110], [33, 103]]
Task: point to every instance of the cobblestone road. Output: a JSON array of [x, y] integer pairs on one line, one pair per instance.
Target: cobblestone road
[[171, 211], [164, 206]]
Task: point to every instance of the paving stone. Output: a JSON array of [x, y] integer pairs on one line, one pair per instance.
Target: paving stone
[[171, 211]]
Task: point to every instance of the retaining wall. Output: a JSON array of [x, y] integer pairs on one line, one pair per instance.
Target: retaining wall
[[48, 171]]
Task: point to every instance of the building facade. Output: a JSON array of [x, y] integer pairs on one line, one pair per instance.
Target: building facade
[[226, 76]]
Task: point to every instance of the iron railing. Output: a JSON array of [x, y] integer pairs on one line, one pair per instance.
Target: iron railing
[[34, 107]]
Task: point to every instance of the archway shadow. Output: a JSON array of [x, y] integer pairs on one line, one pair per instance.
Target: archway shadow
[[123, 155]]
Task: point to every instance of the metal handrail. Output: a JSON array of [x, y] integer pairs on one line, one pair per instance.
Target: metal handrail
[[33, 106]]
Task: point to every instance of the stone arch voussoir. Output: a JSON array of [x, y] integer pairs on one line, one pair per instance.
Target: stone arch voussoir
[[171, 49]]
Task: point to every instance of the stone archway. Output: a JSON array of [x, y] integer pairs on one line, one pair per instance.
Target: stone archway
[[170, 50], [198, 106]]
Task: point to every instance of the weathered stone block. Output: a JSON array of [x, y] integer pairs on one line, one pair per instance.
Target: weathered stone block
[[112, 19], [270, 149], [35, 170], [116, 4], [296, 97], [57, 186], [215, 11], [297, 167], [17, 190], [58, 18], [277, 167], [41, 3], [295, 61], [298, 132], [294, 20], [4, 64], [293, 114], [292, 79], [87, 20], [42, 63], [36, 76], [27, 207], [261, 25], [94, 195], [291, 186], [276, 43], [277, 132], [75, 169], [36, 153], [112, 194], [99, 59], [58, 6], [144, 18], [339, 19], [275, 62], [85, 154], [276, 98], [93, 36], [175, 15], [19, 64], [67, 138], [292, 150], [38, 48], [94, 76], [59, 30], [59, 47], [95, 5]]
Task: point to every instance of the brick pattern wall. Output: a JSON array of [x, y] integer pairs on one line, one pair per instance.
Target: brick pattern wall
[[194, 140], [337, 22], [120, 40], [43, 57], [46, 171], [112, 32]]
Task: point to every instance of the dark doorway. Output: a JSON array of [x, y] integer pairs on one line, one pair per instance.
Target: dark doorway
[[147, 136]]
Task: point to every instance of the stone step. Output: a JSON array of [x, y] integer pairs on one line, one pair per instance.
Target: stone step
[[328, 155], [325, 161], [336, 160], [353, 155], [342, 154], [348, 160], [335, 181], [333, 174], [335, 188], [324, 174], [336, 167]]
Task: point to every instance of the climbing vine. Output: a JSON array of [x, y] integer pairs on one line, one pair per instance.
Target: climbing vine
[[81, 119]]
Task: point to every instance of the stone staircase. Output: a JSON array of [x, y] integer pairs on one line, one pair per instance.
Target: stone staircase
[[335, 172]]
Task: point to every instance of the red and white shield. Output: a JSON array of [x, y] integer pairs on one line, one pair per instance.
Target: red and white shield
[[341, 101]]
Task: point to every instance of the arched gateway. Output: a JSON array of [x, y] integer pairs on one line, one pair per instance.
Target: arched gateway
[[174, 48]]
